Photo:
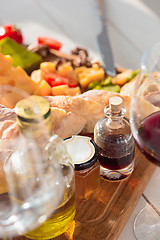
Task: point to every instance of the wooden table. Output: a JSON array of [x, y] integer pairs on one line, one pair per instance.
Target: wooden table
[[132, 27]]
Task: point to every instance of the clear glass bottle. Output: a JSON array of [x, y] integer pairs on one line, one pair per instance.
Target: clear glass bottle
[[115, 143], [51, 148]]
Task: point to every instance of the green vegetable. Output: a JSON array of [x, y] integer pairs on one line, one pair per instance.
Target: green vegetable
[[106, 81], [93, 85], [112, 88], [98, 87], [21, 56]]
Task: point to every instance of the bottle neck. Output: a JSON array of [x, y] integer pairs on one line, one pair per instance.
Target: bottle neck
[[37, 129], [115, 121], [34, 117]]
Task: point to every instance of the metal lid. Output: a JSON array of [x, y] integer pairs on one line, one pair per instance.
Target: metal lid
[[82, 150], [29, 108]]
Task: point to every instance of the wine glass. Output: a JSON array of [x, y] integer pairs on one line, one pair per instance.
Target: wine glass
[[145, 127], [30, 187]]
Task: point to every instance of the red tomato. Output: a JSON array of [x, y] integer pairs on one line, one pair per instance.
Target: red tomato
[[50, 42], [56, 80], [12, 32]]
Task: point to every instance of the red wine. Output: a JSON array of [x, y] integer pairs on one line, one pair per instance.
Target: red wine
[[116, 154], [148, 138]]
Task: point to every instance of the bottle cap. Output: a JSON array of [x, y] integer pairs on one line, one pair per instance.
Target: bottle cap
[[82, 150], [30, 108], [115, 104]]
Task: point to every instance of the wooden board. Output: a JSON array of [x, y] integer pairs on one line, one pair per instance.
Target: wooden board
[[105, 213]]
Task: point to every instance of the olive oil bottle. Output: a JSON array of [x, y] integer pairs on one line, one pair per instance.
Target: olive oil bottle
[[52, 149], [58, 223]]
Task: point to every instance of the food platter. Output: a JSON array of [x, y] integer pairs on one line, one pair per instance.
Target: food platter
[[76, 86], [50, 71]]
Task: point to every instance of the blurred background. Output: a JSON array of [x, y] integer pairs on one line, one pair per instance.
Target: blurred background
[[133, 26]]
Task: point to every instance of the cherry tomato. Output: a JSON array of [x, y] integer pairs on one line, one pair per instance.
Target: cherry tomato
[[56, 80], [12, 32], [50, 42]]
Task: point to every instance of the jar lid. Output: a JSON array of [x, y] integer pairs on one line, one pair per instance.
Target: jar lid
[[82, 150], [28, 108]]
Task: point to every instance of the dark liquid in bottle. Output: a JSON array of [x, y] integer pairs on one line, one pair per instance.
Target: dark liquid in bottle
[[115, 155], [148, 138], [116, 163]]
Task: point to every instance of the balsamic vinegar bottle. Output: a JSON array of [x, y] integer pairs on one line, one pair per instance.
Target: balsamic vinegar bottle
[[115, 143]]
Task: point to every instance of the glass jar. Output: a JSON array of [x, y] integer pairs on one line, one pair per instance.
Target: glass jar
[[51, 149], [83, 152], [115, 143]]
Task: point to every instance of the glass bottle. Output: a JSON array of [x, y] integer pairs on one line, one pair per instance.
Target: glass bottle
[[115, 143], [51, 148]]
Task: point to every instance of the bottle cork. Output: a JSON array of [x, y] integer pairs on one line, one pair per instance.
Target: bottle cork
[[115, 104]]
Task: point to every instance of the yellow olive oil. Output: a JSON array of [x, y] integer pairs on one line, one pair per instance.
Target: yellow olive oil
[[58, 223]]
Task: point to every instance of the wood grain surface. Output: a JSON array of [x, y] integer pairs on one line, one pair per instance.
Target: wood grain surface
[[105, 213]]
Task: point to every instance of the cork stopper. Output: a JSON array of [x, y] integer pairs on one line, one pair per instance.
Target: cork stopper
[[115, 104]]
